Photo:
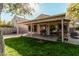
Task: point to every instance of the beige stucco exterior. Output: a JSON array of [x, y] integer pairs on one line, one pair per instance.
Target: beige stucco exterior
[[51, 20], [48, 21]]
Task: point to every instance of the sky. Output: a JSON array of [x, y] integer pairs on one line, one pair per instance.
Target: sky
[[41, 8]]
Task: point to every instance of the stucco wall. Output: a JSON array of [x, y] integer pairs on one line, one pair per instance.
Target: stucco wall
[[23, 28]]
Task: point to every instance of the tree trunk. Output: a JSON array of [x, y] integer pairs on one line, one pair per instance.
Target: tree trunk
[[1, 35]]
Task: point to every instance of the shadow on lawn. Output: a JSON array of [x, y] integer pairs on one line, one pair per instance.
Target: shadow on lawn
[[32, 47]]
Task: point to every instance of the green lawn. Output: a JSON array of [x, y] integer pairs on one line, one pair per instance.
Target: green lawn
[[25, 46]]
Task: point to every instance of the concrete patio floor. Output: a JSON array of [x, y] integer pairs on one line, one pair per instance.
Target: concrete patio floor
[[46, 37]]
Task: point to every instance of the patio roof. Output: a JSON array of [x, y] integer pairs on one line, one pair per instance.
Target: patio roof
[[46, 18], [41, 16]]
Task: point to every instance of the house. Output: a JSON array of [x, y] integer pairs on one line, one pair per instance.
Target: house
[[20, 28], [46, 25]]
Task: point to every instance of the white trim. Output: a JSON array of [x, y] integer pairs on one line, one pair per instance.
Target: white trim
[[46, 20]]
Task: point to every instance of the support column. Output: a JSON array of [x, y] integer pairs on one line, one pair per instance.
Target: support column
[[68, 35], [62, 29], [38, 28], [17, 29], [31, 29], [16, 26], [48, 29]]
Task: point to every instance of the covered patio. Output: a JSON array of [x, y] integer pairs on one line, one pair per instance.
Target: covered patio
[[49, 28]]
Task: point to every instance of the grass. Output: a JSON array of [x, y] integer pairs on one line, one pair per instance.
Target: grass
[[26, 46]]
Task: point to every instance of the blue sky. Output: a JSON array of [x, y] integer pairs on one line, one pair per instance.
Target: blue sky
[[43, 8]]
